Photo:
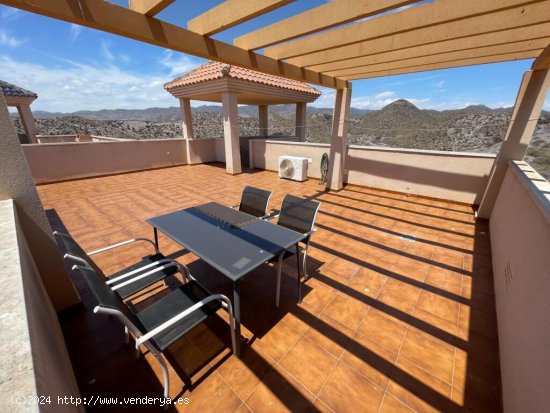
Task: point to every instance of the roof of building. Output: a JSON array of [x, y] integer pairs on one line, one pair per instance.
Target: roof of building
[[8, 89], [216, 70]]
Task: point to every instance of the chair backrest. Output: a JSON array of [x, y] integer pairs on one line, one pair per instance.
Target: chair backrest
[[254, 201], [106, 298], [298, 214], [75, 250]]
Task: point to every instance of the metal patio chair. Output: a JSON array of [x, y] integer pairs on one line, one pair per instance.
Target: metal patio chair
[[254, 201], [130, 280], [166, 320], [299, 215]]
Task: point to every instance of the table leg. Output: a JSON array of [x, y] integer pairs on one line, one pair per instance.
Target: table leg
[[156, 238], [237, 314], [279, 270]]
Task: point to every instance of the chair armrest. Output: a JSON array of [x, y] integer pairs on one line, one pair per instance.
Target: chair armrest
[[151, 265], [120, 244], [139, 277], [169, 323], [234, 206], [271, 215], [310, 233]]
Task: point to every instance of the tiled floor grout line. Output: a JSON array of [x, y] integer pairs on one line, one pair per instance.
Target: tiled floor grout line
[[456, 334], [101, 189], [399, 351]]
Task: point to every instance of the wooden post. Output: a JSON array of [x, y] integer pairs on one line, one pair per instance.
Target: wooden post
[[263, 116], [529, 103], [27, 120], [338, 143], [231, 133], [301, 121]]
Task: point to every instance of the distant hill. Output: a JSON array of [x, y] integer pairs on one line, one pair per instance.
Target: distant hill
[[400, 125], [173, 114]]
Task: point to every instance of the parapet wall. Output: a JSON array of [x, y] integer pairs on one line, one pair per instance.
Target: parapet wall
[[454, 176], [520, 246]]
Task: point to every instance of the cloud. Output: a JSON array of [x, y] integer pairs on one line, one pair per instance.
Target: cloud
[[76, 86], [178, 64], [379, 100], [75, 31], [109, 55], [8, 14], [10, 41], [440, 86], [410, 79], [105, 48], [326, 100]]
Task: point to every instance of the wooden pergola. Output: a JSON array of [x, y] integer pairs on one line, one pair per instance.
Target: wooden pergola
[[366, 39]]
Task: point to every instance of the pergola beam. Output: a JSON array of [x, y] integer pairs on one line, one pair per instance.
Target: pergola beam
[[501, 21], [454, 56], [314, 20], [101, 15], [149, 7], [469, 43], [529, 103], [543, 60], [230, 13], [426, 15], [447, 65]]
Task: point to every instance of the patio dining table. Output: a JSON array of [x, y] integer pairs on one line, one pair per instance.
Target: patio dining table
[[232, 242]]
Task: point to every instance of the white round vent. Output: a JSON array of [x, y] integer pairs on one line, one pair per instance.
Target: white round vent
[[286, 168]]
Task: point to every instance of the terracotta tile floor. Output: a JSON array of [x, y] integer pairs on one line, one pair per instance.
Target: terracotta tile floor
[[398, 315]]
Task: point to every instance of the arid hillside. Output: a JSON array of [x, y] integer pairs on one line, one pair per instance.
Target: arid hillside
[[400, 124]]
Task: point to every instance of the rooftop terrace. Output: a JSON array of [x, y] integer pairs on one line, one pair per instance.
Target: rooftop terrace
[[399, 314]]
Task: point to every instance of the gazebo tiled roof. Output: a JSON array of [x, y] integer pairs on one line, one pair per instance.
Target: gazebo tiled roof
[[216, 70], [8, 89]]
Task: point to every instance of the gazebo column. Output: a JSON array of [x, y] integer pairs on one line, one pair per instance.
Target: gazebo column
[[187, 123], [187, 126], [338, 142], [231, 133], [262, 116], [25, 115], [529, 102], [301, 121]]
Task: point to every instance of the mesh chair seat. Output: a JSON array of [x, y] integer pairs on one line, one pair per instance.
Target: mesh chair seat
[[75, 250], [254, 201], [299, 215], [140, 284], [172, 304], [143, 324]]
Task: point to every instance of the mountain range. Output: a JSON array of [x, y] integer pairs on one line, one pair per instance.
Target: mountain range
[[399, 124], [173, 113]]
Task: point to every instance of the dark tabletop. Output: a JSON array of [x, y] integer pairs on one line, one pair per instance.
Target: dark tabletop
[[231, 241]]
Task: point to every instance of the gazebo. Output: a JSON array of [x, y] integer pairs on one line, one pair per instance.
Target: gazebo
[[21, 99], [233, 85]]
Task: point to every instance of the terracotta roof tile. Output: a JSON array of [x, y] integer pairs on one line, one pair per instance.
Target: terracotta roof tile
[[8, 89], [216, 70]]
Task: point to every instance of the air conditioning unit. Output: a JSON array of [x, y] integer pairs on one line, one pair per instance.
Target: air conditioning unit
[[293, 167]]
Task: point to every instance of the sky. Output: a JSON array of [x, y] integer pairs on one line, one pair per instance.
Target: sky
[[74, 68]]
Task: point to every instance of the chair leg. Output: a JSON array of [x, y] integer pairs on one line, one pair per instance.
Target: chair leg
[[165, 375], [126, 335], [304, 264], [279, 269], [299, 276]]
